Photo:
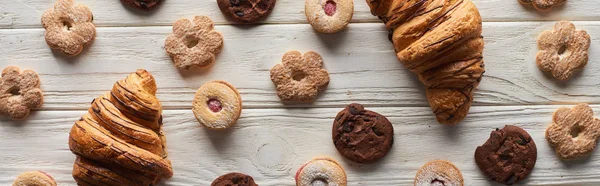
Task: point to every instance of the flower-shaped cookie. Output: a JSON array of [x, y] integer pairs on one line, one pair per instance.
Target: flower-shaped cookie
[[68, 27], [563, 50], [194, 44], [543, 5], [19, 92], [300, 77], [573, 132]]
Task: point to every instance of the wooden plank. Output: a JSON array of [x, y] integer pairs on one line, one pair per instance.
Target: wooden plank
[[27, 13], [363, 70], [271, 144]]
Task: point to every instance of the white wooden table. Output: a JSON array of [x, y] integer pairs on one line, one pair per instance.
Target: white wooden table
[[272, 140]]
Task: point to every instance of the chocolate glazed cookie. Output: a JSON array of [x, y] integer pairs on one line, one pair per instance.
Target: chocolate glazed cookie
[[234, 179], [142, 4], [361, 135], [508, 156], [246, 11]]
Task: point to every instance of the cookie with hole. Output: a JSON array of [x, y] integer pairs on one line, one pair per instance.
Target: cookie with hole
[[34, 178], [145, 5], [299, 77], [217, 105], [321, 171], [439, 173], [563, 50], [234, 179], [246, 11], [194, 44], [361, 135], [508, 156], [68, 27], [329, 16], [574, 132], [19, 92]]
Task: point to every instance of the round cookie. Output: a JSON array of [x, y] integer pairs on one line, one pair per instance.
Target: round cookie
[[328, 16], [234, 179], [508, 156], [439, 173], [217, 105], [142, 4], [246, 11], [362, 136], [34, 178], [321, 171]]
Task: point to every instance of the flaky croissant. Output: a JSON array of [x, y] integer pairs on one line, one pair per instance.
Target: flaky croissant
[[119, 141], [440, 40]]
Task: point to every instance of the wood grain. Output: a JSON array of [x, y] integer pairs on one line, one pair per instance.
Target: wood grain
[[271, 144]]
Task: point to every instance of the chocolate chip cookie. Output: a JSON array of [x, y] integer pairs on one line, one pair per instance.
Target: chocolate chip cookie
[[508, 156], [246, 11], [234, 179], [361, 135], [142, 4]]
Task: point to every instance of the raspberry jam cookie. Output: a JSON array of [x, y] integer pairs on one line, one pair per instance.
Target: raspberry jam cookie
[[439, 173], [508, 156], [34, 178], [563, 50], [362, 136], [246, 11], [19, 92], [142, 4], [68, 27], [574, 132], [329, 16], [299, 78], [234, 179], [217, 105], [321, 171], [194, 44], [543, 5]]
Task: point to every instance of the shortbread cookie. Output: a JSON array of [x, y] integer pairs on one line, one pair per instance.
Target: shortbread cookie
[[508, 156], [439, 173], [329, 16], [573, 132], [299, 78], [19, 92], [321, 171], [362, 136], [246, 11], [234, 179], [543, 5], [217, 105], [194, 44], [34, 178], [68, 27], [142, 4], [563, 50]]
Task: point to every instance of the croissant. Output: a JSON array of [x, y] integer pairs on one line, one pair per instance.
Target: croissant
[[119, 141], [441, 42]]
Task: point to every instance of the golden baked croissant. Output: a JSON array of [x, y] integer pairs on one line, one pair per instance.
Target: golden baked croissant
[[440, 40], [119, 141]]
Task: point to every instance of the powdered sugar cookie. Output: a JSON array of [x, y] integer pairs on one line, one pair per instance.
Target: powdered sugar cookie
[[439, 173], [217, 105], [329, 16], [34, 178], [321, 171]]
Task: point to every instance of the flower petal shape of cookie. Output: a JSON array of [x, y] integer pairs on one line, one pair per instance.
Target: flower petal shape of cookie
[[120, 141], [574, 132], [563, 50], [194, 44], [68, 27], [19, 92], [543, 5], [299, 78]]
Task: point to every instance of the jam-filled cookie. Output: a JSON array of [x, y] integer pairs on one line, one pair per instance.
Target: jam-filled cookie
[[321, 171], [34, 178], [217, 105], [329, 16], [439, 173]]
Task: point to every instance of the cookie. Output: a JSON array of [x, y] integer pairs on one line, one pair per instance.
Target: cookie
[[543, 5], [34, 178], [574, 132], [329, 16], [217, 105], [439, 173], [508, 156], [299, 78], [234, 179], [142, 4], [321, 171], [563, 50], [194, 44], [362, 136], [19, 92], [68, 27], [246, 11]]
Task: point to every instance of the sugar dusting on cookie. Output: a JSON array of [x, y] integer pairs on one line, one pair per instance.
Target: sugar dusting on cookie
[[439, 173]]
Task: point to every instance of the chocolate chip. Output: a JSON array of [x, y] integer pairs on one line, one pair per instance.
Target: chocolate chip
[[347, 126], [239, 13], [354, 111], [376, 131]]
